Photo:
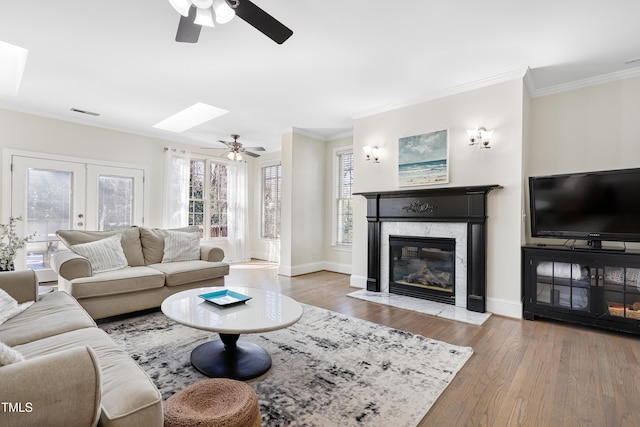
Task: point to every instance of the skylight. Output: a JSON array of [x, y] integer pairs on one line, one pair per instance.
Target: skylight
[[13, 59], [192, 116]]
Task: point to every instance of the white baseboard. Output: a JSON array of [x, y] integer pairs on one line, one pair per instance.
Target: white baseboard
[[337, 267], [297, 270], [358, 281], [504, 307]]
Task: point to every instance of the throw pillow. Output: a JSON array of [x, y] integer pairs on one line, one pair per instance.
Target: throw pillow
[[9, 355], [181, 246], [104, 255], [9, 307]]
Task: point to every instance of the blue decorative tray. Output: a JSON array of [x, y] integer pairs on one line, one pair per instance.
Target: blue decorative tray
[[225, 298]]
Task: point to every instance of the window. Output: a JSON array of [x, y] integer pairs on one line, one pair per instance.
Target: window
[[208, 197], [271, 198], [344, 205]]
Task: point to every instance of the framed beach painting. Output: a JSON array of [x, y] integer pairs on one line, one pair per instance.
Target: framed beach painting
[[424, 159]]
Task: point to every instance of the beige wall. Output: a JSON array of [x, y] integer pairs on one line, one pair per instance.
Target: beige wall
[[591, 128], [498, 107], [303, 204]]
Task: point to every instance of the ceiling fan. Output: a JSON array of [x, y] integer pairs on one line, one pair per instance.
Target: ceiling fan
[[235, 148], [196, 13]]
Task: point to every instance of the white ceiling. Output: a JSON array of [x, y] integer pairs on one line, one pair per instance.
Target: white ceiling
[[345, 58]]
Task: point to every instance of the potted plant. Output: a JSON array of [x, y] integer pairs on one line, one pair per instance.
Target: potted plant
[[10, 244]]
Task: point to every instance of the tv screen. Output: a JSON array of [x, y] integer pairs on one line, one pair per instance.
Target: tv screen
[[595, 206]]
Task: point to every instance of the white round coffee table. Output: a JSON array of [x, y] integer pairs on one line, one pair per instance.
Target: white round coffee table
[[229, 358]]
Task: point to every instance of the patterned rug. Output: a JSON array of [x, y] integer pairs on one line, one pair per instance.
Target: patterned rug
[[328, 369]]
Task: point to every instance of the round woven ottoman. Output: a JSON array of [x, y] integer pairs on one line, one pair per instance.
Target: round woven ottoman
[[216, 402]]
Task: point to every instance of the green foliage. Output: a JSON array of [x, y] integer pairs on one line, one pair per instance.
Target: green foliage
[[10, 243]]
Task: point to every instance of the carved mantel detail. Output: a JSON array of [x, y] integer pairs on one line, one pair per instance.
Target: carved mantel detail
[[419, 206]]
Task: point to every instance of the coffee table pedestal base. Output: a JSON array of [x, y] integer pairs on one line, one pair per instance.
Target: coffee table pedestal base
[[230, 358]]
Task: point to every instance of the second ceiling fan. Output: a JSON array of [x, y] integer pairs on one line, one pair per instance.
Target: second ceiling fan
[[235, 148], [196, 13]]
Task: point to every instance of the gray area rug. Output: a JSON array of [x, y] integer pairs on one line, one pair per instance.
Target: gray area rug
[[328, 369]]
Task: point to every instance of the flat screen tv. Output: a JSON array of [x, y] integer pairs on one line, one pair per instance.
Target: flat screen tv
[[593, 206]]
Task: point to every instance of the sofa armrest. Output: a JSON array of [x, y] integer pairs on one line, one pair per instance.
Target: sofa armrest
[[57, 389], [21, 285], [71, 265], [211, 253]]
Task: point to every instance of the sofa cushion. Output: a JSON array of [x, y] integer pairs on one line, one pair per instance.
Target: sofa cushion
[[9, 307], [55, 313], [104, 254], [181, 246], [130, 241], [180, 273], [152, 240], [127, 392], [130, 279], [9, 355]]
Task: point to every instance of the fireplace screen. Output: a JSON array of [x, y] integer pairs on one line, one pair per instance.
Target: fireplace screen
[[423, 267]]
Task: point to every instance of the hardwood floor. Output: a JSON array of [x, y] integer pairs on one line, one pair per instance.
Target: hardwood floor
[[522, 373]]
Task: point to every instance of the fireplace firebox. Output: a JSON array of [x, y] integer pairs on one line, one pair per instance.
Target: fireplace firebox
[[423, 267]]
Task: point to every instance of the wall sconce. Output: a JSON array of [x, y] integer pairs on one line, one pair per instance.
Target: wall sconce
[[480, 136], [372, 153]]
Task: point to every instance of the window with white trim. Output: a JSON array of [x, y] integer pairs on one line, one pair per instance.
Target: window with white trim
[[208, 197], [344, 204], [271, 200]]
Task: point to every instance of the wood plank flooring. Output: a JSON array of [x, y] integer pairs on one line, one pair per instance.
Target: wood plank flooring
[[522, 373]]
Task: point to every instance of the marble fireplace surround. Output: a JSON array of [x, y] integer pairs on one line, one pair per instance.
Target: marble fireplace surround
[[458, 212], [457, 231]]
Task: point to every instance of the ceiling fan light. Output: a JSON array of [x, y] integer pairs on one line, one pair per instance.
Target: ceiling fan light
[[181, 6], [231, 155], [204, 17], [202, 4], [224, 12]]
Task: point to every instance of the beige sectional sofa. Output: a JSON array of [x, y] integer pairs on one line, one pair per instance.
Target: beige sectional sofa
[[148, 276], [73, 373]]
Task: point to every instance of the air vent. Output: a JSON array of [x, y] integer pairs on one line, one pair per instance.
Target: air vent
[[91, 113]]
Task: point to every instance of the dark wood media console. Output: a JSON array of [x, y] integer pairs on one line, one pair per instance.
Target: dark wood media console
[[591, 287]]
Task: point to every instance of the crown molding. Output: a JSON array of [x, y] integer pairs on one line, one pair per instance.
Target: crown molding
[[320, 136], [579, 84]]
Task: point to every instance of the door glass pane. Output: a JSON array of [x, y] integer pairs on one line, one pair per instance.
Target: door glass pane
[[115, 202], [48, 210]]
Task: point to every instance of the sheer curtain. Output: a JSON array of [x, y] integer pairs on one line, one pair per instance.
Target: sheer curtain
[[176, 187], [237, 217]]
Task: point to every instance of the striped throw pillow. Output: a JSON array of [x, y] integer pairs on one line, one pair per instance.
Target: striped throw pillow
[[181, 246], [104, 254]]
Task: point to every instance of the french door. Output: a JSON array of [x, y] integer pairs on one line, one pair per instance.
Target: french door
[[51, 195]]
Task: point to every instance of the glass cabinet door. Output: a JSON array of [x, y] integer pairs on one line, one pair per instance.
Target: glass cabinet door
[[563, 285], [621, 291]]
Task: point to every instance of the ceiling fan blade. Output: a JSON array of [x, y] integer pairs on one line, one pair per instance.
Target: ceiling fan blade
[[188, 31], [249, 153], [263, 22], [254, 148], [227, 143]]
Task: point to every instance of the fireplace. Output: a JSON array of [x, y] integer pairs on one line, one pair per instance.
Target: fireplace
[[423, 267], [453, 212]]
